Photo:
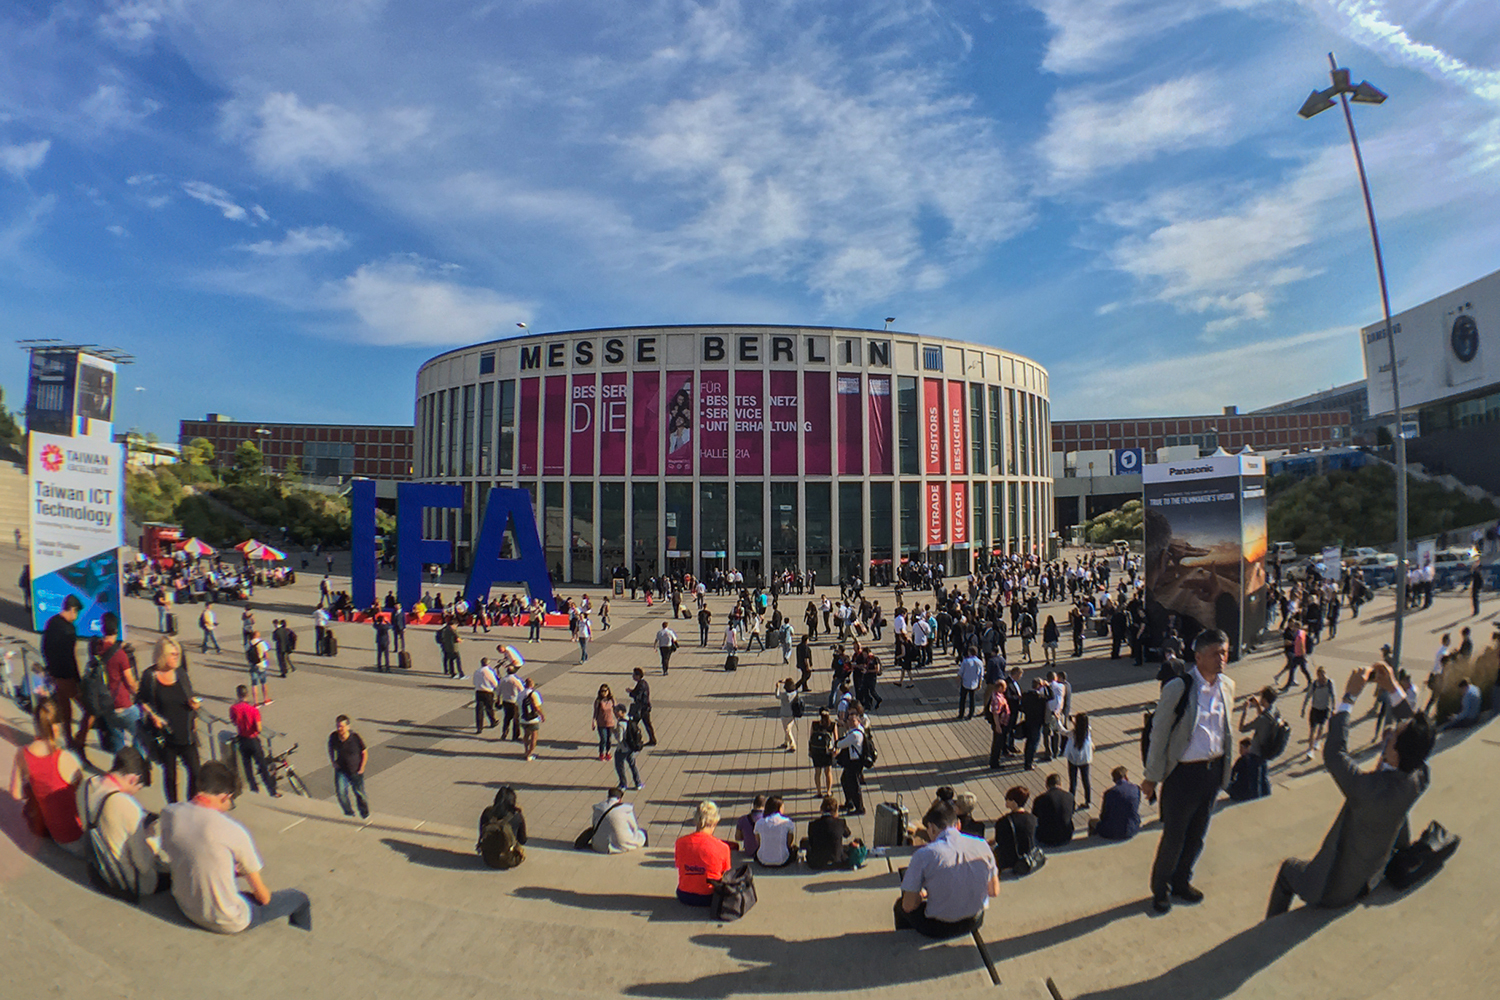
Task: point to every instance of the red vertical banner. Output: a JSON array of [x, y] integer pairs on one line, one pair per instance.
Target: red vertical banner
[[749, 423], [935, 504], [680, 423], [582, 408], [851, 426], [713, 424], [957, 455], [958, 511], [880, 425], [645, 420], [817, 446], [554, 424], [613, 415], [785, 426], [527, 426], [932, 426]]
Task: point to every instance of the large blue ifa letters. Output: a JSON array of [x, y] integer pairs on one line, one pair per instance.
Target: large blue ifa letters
[[506, 508]]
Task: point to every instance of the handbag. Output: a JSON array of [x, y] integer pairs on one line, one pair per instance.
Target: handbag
[[585, 840], [1421, 858], [1031, 860], [733, 895]]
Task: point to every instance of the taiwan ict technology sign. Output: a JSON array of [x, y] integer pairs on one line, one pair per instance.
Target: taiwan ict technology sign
[[76, 495], [1206, 547]]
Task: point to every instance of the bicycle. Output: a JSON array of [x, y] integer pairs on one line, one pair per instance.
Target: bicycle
[[280, 766]]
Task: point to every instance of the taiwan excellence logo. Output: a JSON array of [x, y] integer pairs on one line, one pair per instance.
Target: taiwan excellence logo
[[52, 457]]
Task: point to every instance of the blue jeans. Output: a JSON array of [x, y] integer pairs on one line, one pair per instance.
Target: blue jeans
[[209, 637], [291, 903], [125, 720], [625, 757], [604, 734], [343, 784]]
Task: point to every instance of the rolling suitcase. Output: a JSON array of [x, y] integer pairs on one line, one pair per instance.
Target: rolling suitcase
[[731, 662], [331, 644], [171, 623], [403, 660], [891, 822]]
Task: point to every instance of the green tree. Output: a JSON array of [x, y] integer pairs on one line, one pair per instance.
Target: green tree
[[249, 463], [11, 435]]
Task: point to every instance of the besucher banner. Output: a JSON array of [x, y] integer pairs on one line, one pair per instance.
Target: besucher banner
[[76, 503]]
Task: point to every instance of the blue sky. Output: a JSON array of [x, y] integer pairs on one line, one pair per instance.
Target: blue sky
[[283, 209]]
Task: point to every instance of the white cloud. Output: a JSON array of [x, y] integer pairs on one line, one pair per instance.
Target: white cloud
[[109, 106], [117, 230], [131, 23], [20, 160], [406, 300], [1372, 25], [215, 197], [1088, 35], [295, 141], [1089, 135], [314, 239]]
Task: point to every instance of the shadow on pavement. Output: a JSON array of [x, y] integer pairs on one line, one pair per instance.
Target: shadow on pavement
[[435, 857], [653, 908]]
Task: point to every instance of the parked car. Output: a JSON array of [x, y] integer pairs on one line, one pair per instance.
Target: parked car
[[1450, 557], [1283, 550], [1380, 559], [1352, 557]]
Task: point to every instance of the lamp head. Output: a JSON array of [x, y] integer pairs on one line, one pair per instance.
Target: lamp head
[[1317, 102], [1366, 94]]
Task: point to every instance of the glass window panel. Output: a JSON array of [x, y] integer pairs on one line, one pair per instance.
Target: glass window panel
[[851, 558], [713, 525], [749, 529], [646, 541], [819, 527], [486, 426], [508, 426], [582, 540], [976, 429], [882, 535], [907, 422], [679, 526], [611, 527], [783, 522], [911, 518], [554, 529]]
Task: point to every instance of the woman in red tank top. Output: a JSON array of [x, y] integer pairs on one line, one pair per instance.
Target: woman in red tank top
[[46, 777]]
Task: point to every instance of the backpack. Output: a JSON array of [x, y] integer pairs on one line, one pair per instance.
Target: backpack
[[868, 755], [820, 741], [498, 845], [105, 870], [635, 735], [797, 707], [291, 641], [93, 687], [1148, 717], [252, 654], [1276, 743]]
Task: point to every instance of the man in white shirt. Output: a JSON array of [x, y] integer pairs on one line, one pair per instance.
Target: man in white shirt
[[510, 698], [320, 626], [485, 686], [1435, 679], [106, 803], [615, 827], [665, 642], [206, 850], [950, 881], [777, 836]]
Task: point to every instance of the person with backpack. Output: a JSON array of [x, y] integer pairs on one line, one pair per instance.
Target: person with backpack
[[853, 750], [1265, 742], [821, 738], [502, 831], [116, 830], [1320, 695], [532, 718], [259, 654], [630, 739]]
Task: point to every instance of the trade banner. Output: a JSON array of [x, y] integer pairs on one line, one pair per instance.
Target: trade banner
[[957, 456], [713, 424], [784, 423], [958, 512], [645, 415], [935, 539], [554, 425], [527, 426], [749, 424], [880, 425], [817, 440], [581, 411], [932, 426], [851, 427], [679, 424], [613, 414]]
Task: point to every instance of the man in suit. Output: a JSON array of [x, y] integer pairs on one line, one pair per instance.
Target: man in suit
[[1053, 810], [1373, 820], [1189, 758], [1120, 813]]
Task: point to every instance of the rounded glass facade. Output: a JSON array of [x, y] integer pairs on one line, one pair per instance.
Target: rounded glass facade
[[766, 448]]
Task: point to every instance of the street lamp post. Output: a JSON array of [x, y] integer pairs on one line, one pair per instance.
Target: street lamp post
[[1319, 101]]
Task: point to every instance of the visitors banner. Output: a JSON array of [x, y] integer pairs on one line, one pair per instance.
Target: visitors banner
[[713, 424], [880, 425], [527, 426], [956, 437], [581, 424], [958, 512], [554, 424], [817, 446], [785, 425], [680, 421], [749, 424], [932, 425], [851, 427], [645, 416], [613, 415], [935, 516]]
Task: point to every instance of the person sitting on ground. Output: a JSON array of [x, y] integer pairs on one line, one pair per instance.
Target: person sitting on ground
[[700, 856], [965, 802], [107, 802], [827, 837], [508, 810], [744, 827], [206, 850], [1469, 706], [950, 882], [615, 828], [1376, 802], [777, 837], [1015, 832], [1120, 811], [45, 776], [1248, 779], [1053, 810]]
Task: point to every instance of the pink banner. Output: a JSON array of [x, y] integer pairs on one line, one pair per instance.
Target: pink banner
[[880, 425], [713, 424], [526, 432], [784, 423], [679, 424], [932, 425], [958, 511], [613, 414], [934, 515], [817, 450], [851, 426], [749, 424], [957, 456], [581, 410], [645, 434], [554, 424]]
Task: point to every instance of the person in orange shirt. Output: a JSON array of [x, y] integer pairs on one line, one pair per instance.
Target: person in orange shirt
[[700, 856]]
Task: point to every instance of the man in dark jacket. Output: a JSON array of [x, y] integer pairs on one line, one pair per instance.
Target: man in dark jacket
[[1120, 813], [1053, 810], [1034, 717], [60, 654]]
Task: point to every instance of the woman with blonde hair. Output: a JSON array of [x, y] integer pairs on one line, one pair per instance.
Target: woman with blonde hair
[[166, 698], [45, 777], [700, 857]]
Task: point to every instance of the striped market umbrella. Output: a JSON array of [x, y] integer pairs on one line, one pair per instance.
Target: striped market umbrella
[[260, 550], [198, 547]]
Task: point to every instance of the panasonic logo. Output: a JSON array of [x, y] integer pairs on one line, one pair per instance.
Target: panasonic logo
[[1190, 471]]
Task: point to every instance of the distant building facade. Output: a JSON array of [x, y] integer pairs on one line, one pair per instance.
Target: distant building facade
[[321, 451], [1353, 397], [1230, 430]]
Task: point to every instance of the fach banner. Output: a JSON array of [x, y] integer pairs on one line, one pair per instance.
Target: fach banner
[[645, 417], [77, 496], [554, 425], [679, 426], [713, 425], [957, 455], [880, 425], [932, 425], [935, 516], [851, 427], [527, 425], [817, 441], [749, 424], [784, 423], [958, 512], [613, 416], [581, 424]]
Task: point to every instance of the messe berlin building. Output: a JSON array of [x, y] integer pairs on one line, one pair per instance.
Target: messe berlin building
[[685, 448]]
